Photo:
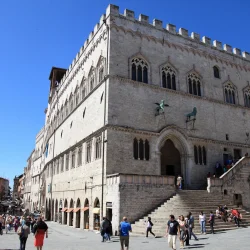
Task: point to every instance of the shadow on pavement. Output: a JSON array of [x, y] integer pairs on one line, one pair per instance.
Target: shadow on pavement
[[196, 246]]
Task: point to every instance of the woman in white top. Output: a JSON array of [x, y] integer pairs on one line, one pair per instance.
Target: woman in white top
[[202, 220]]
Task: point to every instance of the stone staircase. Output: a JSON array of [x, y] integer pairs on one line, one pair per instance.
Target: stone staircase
[[183, 202]]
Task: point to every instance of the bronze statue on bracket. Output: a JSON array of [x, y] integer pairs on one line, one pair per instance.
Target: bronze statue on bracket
[[160, 107], [191, 117]]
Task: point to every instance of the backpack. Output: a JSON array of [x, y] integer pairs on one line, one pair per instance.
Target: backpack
[[20, 231], [151, 223]]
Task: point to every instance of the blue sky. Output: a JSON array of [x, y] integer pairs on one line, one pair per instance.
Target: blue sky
[[36, 35]]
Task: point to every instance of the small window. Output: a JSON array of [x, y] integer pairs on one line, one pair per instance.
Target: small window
[[216, 72], [71, 124], [227, 137], [141, 149], [135, 146], [225, 149], [101, 97], [61, 133], [83, 114]]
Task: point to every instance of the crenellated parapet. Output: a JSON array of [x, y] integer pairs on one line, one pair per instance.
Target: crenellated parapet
[[171, 28]]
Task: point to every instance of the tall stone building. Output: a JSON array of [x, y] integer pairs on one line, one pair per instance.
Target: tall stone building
[[139, 105]]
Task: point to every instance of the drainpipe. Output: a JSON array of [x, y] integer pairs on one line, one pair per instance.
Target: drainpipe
[[104, 121], [53, 155]]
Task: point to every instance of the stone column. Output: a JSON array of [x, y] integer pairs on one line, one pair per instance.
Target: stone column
[[82, 219], [74, 219], [158, 162]]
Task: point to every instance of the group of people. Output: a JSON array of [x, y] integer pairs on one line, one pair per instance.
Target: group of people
[[23, 227], [227, 215]]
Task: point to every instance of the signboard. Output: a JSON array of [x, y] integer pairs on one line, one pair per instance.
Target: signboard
[[108, 204]]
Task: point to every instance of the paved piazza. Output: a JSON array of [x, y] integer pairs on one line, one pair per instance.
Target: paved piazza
[[62, 237]]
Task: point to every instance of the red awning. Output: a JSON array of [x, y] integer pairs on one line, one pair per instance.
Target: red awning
[[85, 209], [64, 209], [70, 210]]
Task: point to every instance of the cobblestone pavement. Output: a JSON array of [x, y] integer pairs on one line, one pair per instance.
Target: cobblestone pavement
[[63, 237]]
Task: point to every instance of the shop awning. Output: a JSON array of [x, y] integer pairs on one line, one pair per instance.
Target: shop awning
[[70, 210], [85, 209], [76, 209], [96, 210], [64, 209]]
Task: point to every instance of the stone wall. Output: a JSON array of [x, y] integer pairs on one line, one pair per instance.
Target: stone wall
[[235, 183], [137, 195]]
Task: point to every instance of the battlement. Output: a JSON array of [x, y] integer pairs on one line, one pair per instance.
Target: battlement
[[171, 28], [157, 24]]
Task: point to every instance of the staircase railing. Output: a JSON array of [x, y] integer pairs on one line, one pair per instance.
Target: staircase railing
[[228, 176]]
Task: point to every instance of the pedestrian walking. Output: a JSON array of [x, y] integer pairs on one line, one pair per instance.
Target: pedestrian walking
[[1, 227], [190, 222], [179, 182], [236, 216], [40, 230], [105, 229], [211, 222], [183, 231], [8, 224], [124, 230], [172, 229], [23, 232], [16, 223], [202, 220], [32, 223], [149, 227]]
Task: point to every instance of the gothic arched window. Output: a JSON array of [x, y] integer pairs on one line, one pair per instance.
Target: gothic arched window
[[204, 155], [216, 72], [230, 91], [77, 96], [195, 155], [168, 77], [141, 150], [73, 157], [139, 70], [79, 157], [91, 79], [200, 155], [135, 147], [147, 150], [194, 84], [247, 97]]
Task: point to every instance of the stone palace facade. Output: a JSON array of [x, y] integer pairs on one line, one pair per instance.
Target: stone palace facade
[[107, 147]]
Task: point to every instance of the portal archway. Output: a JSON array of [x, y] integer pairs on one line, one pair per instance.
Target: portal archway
[[174, 153], [170, 159]]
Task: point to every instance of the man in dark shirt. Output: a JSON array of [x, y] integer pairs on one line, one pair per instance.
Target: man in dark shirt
[[172, 230], [211, 222]]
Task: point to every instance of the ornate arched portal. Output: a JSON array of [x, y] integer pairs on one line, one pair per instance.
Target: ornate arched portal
[[175, 155]]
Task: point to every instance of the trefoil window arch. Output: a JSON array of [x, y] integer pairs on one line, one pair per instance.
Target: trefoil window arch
[[194, 84], [230, 93], [247, 97], [139, 70], [168, 76]]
